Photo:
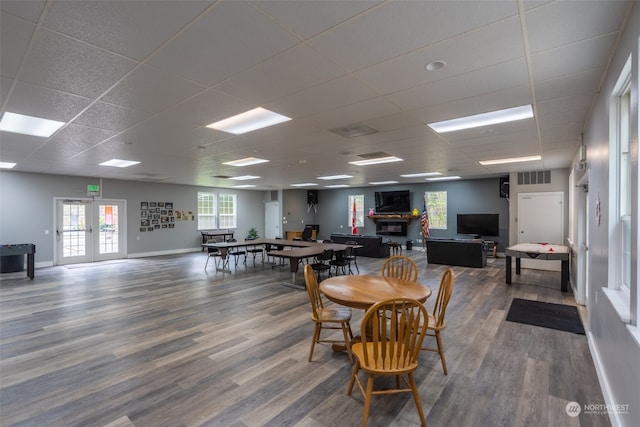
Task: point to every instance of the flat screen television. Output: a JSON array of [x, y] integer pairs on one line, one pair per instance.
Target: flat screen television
[[393, 201], [478, 224]]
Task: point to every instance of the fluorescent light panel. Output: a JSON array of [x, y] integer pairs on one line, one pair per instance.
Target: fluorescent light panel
[[304, 184], [336, 186], [244, 186], [28, 125], [484, 119], [511, 160], [119, 163], [383, 182], [244, 177], [443, 178], [420, 175], [376, 161], [330, 177], [248, 121], [7, 165], [246, 162]]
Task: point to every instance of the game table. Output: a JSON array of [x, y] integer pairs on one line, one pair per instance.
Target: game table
[[542, 251]]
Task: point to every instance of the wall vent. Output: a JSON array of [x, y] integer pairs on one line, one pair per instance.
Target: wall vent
[[534, 177]]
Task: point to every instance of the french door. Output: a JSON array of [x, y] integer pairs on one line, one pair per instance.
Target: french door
[[89, 230]]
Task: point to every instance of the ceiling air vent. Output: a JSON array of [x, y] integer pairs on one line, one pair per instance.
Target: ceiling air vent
[[376, 155], [352, 131], [534, 177]]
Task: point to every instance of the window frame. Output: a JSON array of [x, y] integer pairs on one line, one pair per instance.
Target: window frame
[[211, 216], [231, 218], [359, 199], [432, 210]]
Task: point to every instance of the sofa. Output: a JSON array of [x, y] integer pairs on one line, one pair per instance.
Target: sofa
[[460, 252], [372, 246]]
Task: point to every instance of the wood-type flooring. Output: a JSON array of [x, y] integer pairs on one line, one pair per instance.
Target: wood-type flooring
[[159, 341]]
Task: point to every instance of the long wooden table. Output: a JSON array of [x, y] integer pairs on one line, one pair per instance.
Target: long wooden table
[[308, 251], [302, 250], [541, 251]]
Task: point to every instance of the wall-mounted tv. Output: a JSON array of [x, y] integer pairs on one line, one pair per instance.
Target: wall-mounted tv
[[393, 201], [478, 224]]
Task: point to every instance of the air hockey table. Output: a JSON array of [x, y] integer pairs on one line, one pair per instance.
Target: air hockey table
[[542, 251]]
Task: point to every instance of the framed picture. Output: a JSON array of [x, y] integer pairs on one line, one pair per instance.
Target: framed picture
[[143, 229], [161, 204], [149, 228], [152, 204], [144, 205], [144, 223], [143, 214], [172, 225], [155, 221], [168, 205]]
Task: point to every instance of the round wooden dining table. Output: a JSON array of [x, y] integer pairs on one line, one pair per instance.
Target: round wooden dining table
[[362, 291]]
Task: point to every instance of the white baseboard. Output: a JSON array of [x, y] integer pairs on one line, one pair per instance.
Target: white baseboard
[[614, 417], [168, 252]]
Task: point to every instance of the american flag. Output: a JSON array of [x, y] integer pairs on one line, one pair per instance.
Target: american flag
[[424, 221]]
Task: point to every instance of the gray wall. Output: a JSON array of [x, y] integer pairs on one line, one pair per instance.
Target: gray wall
[[27, 210], [468, 196], [615, 343]]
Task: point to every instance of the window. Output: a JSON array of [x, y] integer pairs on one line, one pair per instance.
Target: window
[[437, 209], [359, 200], [620, 183], [227, 210], [624, 195], [206, 211]]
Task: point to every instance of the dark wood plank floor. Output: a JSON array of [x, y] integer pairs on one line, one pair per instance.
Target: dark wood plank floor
[[160, 342]]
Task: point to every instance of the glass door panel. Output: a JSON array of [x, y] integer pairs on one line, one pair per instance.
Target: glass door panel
[[73, 231]]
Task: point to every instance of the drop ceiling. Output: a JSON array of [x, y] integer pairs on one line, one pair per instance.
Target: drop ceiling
[[140, 80]]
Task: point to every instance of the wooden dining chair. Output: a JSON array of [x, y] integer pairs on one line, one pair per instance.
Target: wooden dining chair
[[436, 319], [400, 267], [322, 315], [392, 333]]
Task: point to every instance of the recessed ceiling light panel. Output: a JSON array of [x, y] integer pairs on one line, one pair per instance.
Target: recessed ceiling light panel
[[246, 161], [420, 175], [383, 182], [376, 161], [28, 125], [7, 165], [510, 160], [248, 121], [330, 177], [443, 178], [244, 177], [119, 163], [304, 184], [336, 186], [484, 119]]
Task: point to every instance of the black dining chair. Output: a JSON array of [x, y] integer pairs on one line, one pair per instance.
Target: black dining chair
[[321, 262]]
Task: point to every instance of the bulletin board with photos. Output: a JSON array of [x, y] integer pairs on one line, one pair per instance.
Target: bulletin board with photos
[[161, 215]]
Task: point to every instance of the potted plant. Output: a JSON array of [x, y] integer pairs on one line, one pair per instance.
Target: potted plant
[[253, 234]]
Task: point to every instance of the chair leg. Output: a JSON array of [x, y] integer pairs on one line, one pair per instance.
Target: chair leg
[[314, 340], [347, 341], [441, 352], [416, 398], [367, 400], [356, 369]]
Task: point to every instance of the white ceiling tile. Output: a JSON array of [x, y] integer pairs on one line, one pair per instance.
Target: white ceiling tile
[[29, 10], [308, 18], [470, 51], [151, 90], [102, 115], [133, 29], [70, 66], [571, 59], [584, 82], [564, 22], [336, 93], [15, 34], [396, 28], [43, 102], [231, 37]]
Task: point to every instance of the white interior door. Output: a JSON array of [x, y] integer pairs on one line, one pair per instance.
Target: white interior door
[[541, 220], [88, 230], [272, 220]]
